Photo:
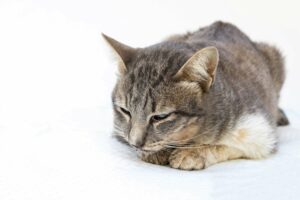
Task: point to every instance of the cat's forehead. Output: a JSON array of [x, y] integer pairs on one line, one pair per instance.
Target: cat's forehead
[[155, 64], [162, 54], [148, 82]]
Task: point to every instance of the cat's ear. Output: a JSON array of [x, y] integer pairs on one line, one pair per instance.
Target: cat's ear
[[201, 68], [123, 52]]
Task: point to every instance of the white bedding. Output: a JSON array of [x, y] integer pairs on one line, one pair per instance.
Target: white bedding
[[55, 111]]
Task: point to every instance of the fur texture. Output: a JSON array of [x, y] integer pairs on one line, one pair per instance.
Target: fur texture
[[197, 99]]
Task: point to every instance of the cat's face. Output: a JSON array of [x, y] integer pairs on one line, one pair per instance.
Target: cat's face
[[152, 118], [157, 100]]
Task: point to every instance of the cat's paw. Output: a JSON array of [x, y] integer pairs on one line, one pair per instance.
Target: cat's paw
[[159, 158], [187, 159]]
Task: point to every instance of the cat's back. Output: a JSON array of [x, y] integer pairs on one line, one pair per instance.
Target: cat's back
[[234, 46], [219, 33], [240, 59], [242, 67]]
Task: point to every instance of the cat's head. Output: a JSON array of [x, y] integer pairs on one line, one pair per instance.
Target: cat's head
[[157, 100]]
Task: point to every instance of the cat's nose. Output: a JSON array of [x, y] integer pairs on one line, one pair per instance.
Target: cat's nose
[[137, 135], [137, 143]]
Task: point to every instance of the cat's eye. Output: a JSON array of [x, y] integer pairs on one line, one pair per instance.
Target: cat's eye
[[160, 117], [126, 112]]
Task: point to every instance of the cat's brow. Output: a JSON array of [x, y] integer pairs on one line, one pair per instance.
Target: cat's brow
[[200, 113], [146, 100], [164, 111], [153, 104]]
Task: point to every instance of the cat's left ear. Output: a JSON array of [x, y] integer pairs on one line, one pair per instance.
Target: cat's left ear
[[123, 52], [201, 68]]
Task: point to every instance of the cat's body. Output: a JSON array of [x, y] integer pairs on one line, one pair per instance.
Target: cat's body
[[201, 98]]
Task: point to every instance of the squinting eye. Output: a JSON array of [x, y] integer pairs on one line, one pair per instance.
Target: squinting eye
[[126, 112], [160, 117]]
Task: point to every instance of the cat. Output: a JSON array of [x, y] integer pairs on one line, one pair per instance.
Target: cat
[[200, 98]]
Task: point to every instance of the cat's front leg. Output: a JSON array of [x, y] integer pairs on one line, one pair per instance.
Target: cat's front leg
[[200, 158], [158, 158], [187, 159]]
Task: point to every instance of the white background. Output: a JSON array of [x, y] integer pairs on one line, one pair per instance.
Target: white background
[[56, 77]]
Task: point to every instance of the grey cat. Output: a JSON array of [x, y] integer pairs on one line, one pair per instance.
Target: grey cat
[[200, 98]]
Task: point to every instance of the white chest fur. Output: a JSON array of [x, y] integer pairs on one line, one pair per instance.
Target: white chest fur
[[252, 135]]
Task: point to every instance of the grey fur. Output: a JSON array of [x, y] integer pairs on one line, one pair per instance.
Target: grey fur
[[248, 79]]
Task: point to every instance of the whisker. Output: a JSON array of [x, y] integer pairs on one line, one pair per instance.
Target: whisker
[[179, 142], [185, 147], [119, 132], [188, 139], [117, 127]]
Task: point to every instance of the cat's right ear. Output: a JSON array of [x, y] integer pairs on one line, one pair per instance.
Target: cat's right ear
[[123, 52], [201, 68]]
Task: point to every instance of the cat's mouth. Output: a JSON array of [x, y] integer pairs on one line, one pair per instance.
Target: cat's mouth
[[147, 150]]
